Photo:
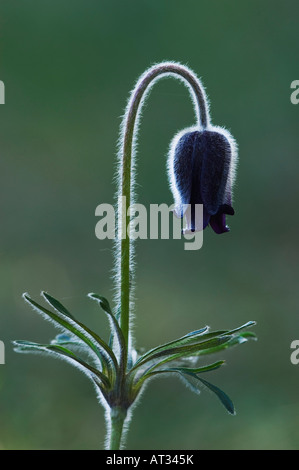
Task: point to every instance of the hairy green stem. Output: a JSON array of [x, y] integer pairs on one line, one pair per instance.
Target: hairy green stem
[[126, 198], [117, 419]]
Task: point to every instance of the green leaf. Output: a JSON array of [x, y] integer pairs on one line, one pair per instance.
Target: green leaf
[[198, 370], [115, 328], [193, 381], [246, 335], [246, 325], [102, 301], [106, 307], [194, 336], [63, 311], [96, 344], [214, 334], [181, 370], [223, 397], [240, 338], [214, 345], [57, 305], [209, 343], [28, 346], [186, 339]]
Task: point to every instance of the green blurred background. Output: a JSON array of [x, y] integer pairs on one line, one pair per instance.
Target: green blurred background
[[68, 67]]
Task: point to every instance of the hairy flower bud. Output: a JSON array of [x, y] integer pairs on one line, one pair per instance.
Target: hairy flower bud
[[201, 168]]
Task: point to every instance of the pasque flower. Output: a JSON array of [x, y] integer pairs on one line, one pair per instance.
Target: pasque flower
[[202, 171]]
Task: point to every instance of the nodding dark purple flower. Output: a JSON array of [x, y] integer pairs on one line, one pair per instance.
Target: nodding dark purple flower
[[201, 169]]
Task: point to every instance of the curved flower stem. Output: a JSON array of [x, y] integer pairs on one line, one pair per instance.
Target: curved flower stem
[[129, 130], [129, 127], [124, 255]]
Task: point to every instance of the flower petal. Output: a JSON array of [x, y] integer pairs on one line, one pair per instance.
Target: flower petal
[[218, 221], [216, 157], [183, 166], [194, 223]]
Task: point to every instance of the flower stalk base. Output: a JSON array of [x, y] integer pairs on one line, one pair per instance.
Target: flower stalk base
[[117, 420]]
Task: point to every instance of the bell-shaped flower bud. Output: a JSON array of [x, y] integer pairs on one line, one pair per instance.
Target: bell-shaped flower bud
[[201, 169]]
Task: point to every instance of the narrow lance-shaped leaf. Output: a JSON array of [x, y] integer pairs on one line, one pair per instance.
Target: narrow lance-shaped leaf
[[104, 304], [62, 310], [202, 335], [193, 381], [198, 370], [235, 340], [212, 346], [64, 353], [223, 397], [186, 339], [57, 305], [76, 328], [242, 327], [185, 351], [213, 334], [176, 370]]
